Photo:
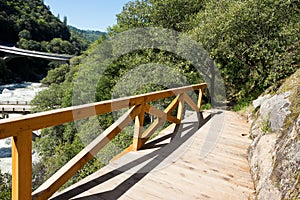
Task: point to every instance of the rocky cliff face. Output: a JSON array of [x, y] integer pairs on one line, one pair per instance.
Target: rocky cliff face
[[274, 154]]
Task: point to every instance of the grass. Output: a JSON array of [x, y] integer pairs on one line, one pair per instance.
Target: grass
[[241, 106], [206, 106]]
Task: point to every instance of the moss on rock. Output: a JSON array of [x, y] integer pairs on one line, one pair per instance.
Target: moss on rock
[[275, 157]]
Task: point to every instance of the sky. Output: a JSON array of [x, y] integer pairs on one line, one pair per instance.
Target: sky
[[87, 14]]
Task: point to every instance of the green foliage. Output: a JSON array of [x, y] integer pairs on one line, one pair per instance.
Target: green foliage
[[265, 126], [65, 21], [135, 14], [48, 99], [57, 45], [56, 75], [255, 43], [33, 16], [206, 106], [25, 34], [164, 13], [175, 14], [241, 105], [5, 186], [56, 147], [31, 45]]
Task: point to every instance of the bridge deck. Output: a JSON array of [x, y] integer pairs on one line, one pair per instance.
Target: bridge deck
[[178, 169], [37, 54], [15, 108]]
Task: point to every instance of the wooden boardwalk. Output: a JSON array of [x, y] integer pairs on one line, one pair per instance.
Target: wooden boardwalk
[[178, 166]]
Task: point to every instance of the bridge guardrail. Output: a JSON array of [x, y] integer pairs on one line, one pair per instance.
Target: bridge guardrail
[[15, 102]]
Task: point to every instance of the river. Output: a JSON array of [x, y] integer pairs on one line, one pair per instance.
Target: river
[[15, 92]]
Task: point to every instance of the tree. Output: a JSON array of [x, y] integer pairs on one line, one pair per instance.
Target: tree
[[65, 21], [56, 75], [253, 42], [135, 14], [169, 14], [57, 45], [24, 34], [175, 15]]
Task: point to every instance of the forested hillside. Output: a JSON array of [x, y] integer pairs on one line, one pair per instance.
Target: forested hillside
[[18, 17], [31, 25], [254, 43], [89, 35]]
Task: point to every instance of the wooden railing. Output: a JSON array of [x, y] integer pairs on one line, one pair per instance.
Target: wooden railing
[[20, 129]]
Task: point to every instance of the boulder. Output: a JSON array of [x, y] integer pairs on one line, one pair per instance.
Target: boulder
[[275, 109], [274, 155]]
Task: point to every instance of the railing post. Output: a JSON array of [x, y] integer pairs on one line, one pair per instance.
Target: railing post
[[200, 99], [180, 108], [22, 166], [138, 130]]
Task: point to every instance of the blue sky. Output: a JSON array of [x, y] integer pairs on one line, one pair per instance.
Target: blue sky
[[87, 14]]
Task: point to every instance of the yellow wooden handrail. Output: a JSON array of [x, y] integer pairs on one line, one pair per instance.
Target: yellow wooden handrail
[[20, 129]]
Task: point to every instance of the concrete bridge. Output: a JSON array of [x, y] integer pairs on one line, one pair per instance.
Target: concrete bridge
[[12, 52]]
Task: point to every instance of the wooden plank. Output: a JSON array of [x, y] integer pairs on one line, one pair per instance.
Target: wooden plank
[[159, 121], [9, 127], [173, 104], [138, 130], [180, 108], [190, 102], [200, 98], [76, 163], [165, 116], [22, 166], [151, 130]]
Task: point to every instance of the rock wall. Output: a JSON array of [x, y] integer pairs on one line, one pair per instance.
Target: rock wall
[[274, 154]]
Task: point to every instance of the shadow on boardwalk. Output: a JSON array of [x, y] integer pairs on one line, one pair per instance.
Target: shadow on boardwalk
[[152, 159]]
